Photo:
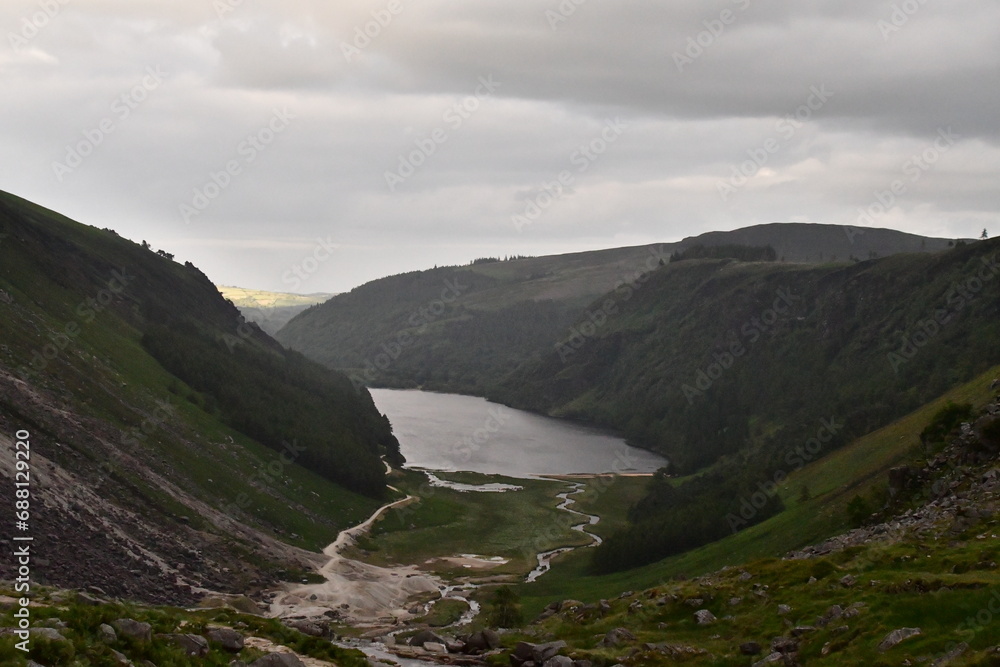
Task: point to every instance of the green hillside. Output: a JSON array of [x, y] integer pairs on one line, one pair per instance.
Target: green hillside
[[188, 434], [729, 364], [464, 328]]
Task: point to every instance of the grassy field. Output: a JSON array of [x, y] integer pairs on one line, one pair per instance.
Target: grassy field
[[514, 525]]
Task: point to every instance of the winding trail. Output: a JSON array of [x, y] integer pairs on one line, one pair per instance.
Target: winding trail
[[361, 593]]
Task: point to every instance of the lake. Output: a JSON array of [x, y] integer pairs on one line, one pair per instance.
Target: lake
[[449, 432]]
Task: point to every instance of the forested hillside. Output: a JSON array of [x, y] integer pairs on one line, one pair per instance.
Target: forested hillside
[[173, 416], [734, 364], [463, 329]]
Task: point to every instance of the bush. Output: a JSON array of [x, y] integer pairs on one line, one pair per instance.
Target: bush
[[945, 421]]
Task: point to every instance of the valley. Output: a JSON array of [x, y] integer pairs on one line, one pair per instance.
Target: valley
[[732, 449]]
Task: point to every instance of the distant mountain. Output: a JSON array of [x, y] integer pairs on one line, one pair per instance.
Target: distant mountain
[[816, 243], [464, 328], [173, 446], [270, 310]]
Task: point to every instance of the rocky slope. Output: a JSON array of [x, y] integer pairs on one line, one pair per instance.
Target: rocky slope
[[174, 448]]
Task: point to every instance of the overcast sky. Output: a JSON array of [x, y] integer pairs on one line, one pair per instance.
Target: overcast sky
[[238, 134]]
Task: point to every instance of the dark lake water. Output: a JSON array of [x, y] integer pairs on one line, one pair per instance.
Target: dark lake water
[[451, 432]]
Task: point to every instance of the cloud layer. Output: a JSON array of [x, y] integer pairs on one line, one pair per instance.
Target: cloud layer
[[245, 135]]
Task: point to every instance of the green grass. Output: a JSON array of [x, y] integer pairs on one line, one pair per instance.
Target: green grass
[[856, 469], [514, 525], [84, 646], [900, 585]]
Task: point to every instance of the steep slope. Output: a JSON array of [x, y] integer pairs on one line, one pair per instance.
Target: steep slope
[[463, 328], [174, 446], [728, 364]]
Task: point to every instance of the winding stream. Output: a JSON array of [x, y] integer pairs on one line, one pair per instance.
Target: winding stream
[[545, 558]]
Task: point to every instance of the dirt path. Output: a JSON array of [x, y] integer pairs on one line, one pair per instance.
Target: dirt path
[[360, 593]]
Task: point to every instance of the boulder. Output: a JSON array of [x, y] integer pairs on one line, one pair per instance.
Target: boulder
[[704, 617], [229, 639], [51, 634], [750, 648], [558, 661], [617, 636], [537, 653], [897, 636], [192, 645], [107, 634], [308, 628], [425, 636], [784, 609], [120, 658], [435, 647], [479, 642], [770, 659], [134, 629]]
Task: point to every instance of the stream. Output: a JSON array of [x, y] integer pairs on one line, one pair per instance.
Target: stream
[[341, 572], [545, 558]]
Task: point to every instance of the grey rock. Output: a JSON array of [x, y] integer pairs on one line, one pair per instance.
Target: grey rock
[[897, 636], [784, 609], [107, 634], [120, 658], [308, 628], [435, 647], [704, 617], [192, 645], [425, 636], [617, 636], [131, 628], [230, 640], [51, 634], [558, 661], [770, 659]]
